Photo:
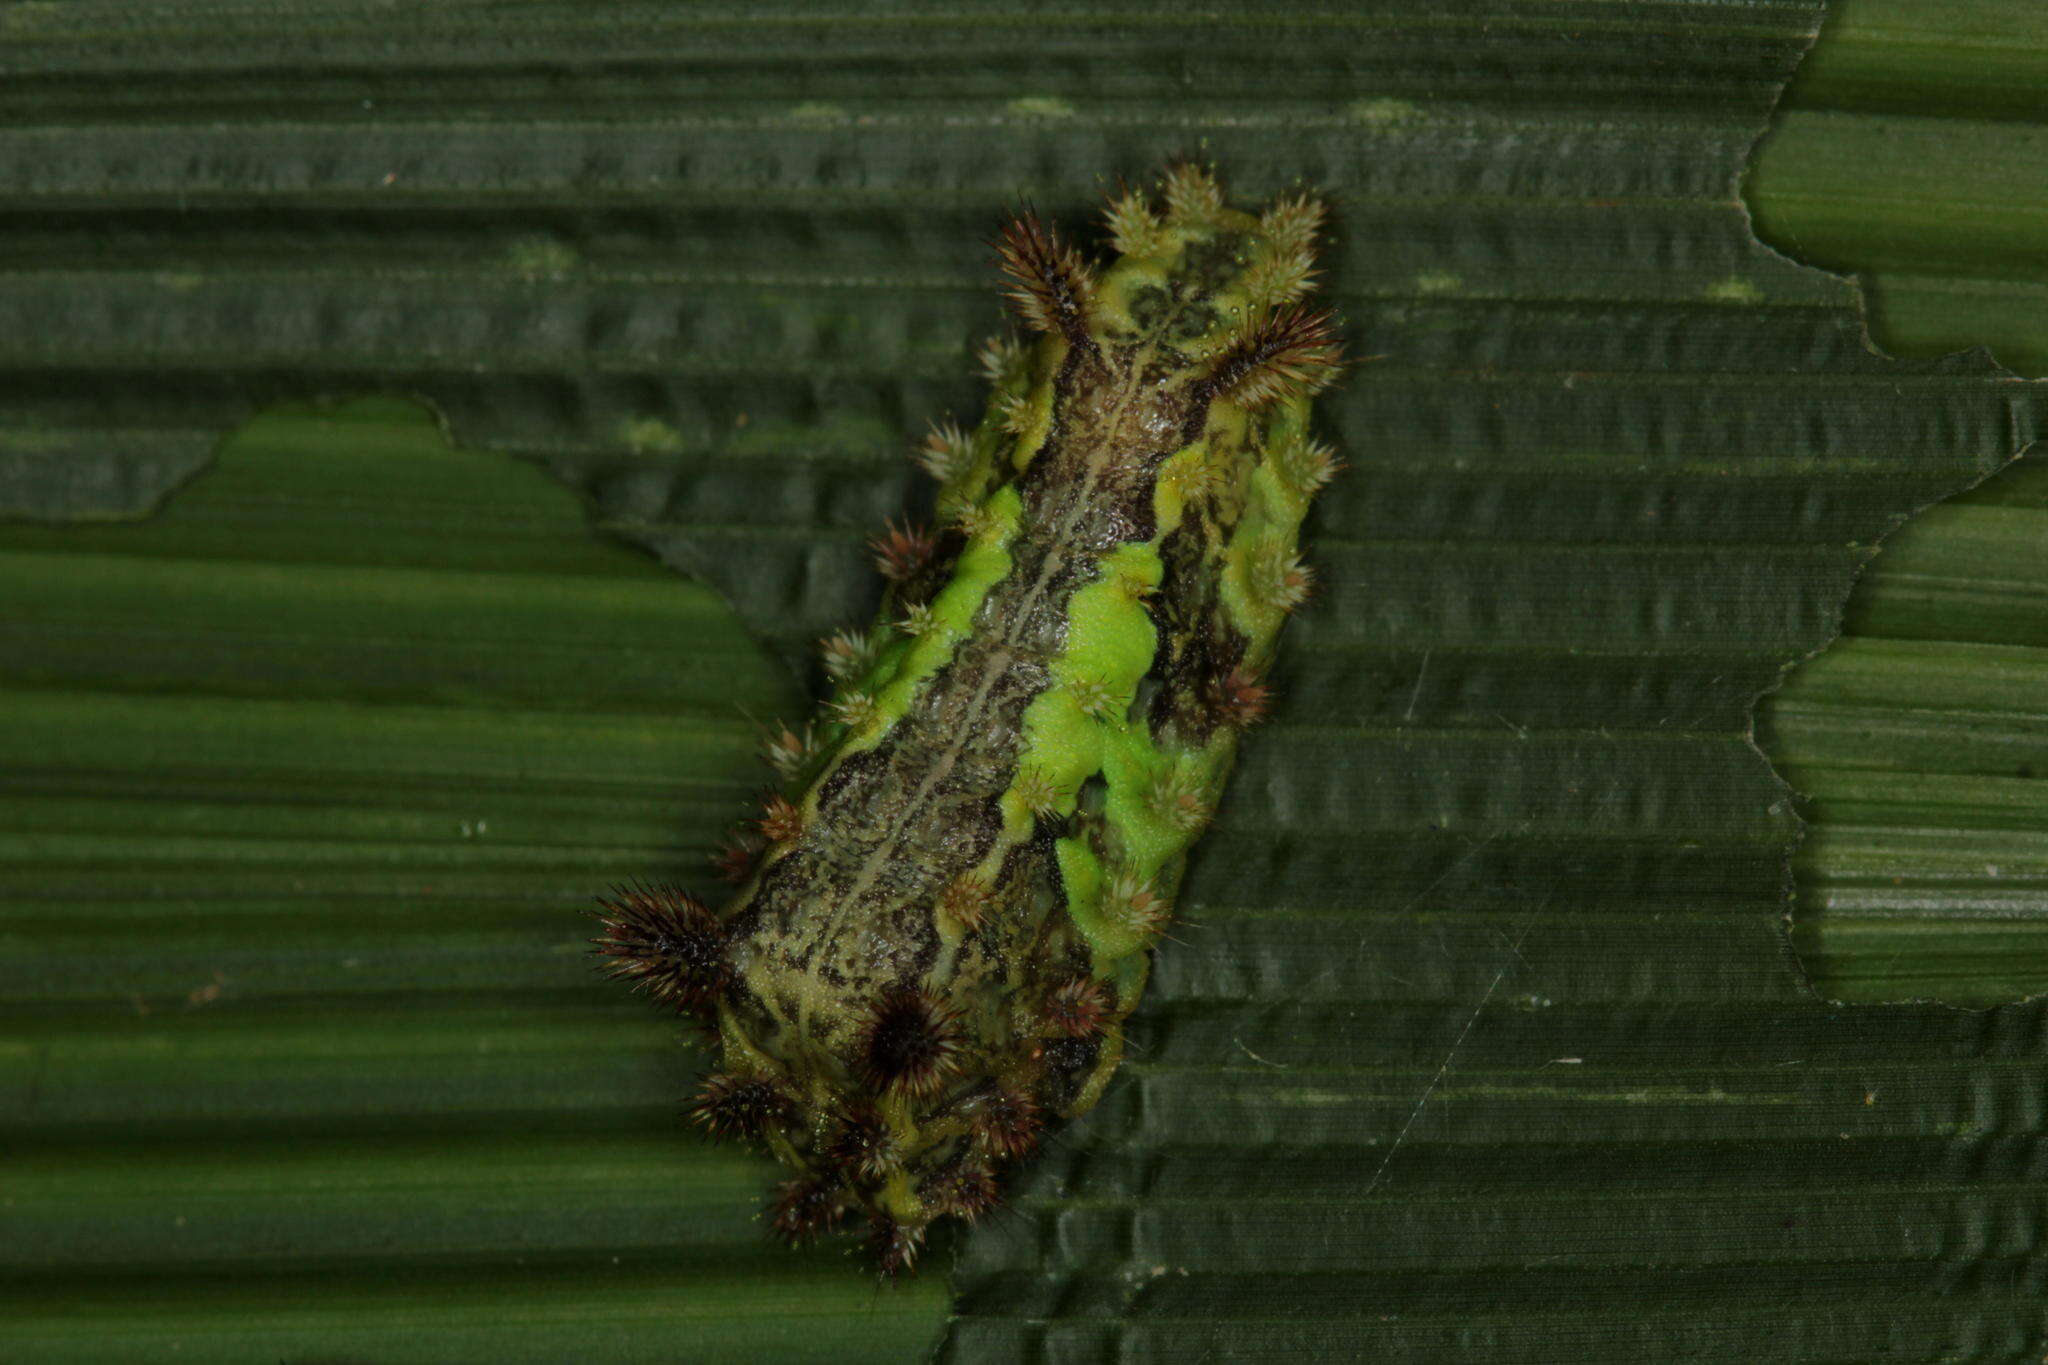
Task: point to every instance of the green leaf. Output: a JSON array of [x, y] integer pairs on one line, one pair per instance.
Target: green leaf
[[307, 783], [1484, 1036], [1906, 158]]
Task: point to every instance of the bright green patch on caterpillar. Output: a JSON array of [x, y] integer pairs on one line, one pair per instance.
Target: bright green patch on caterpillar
[[946, 914]]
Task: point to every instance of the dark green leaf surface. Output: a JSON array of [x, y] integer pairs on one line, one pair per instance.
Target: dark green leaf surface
[[1482, 1037]]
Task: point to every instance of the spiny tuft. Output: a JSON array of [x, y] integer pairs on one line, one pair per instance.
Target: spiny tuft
[[1239, 700], [1080, 1007], [945, 452], [1051, 282], [1293, 352], [1134, 587], [847, 655], [1307, 466], [1132, 226], [1192, 194], [1039, 793], [1281, 277], [1177, 798], [1013, 411], [1292, 223], [903, 551], [911, 1043], [965, 901], [971, 519], [782, 821], [664, 941], [967, 1189], [1006, 1123], [1195, 478], [805, 1207], [1001, 359], [733, 1106], [864, 1147], [1129, 900], [787, 751], [1093, 698], [856, 711], [1279, 577], [893, 1244]]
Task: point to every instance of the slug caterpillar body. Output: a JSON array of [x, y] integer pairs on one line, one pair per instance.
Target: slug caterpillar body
[[946, 909]]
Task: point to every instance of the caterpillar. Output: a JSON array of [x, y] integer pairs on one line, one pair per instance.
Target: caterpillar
[[946, 907]]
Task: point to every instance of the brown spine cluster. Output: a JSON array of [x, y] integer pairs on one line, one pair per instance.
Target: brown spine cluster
[[1050, 281], [666, 942], [1294, 351], [913, 1048]]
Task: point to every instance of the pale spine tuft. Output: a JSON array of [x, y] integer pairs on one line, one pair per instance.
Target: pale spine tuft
[[1192, 195], [1132, 227], [945, 452], [1292, 224]]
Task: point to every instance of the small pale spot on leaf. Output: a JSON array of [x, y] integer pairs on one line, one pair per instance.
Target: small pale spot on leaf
[[1734, 289], [540, 257], [1383, 113], [650, 436], [1040, 106]]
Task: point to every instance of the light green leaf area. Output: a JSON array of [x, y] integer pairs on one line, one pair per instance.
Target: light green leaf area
[[1482, 1036], [304, 787], [1919, 740], [1913, 153]]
